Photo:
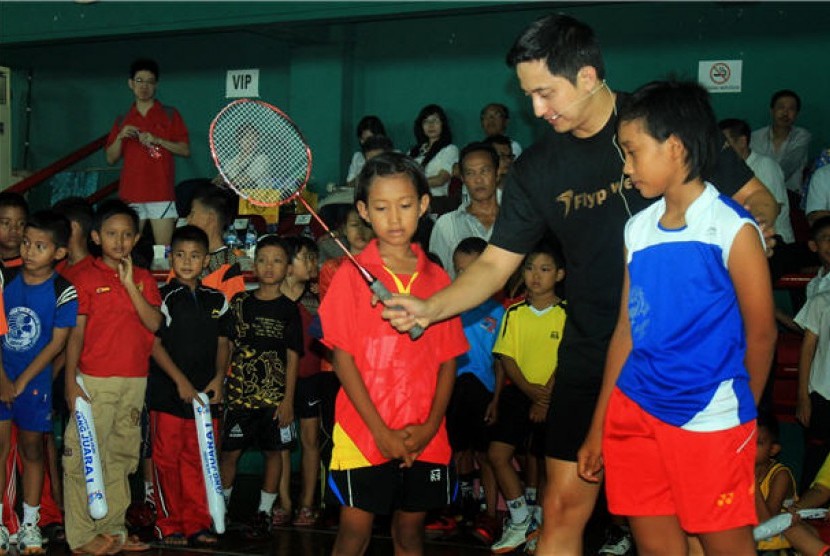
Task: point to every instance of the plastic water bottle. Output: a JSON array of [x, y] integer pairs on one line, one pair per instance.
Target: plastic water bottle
[[250, 240], [231, 239]]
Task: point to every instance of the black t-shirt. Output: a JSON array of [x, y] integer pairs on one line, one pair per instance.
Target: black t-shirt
[[571, 187], [193, 321], [263, 332]]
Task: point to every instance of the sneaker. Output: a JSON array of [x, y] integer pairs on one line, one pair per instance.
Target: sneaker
[[485, 529], [515, 535], [4, 539], [618, 542], [441, 525], [260, 527], [29, 539]]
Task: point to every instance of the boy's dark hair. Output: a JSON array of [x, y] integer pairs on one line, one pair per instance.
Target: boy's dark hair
[[421, 137], [56, 225], [273, 240], [785, 93], [78, 210], [11, 199], [114, 207], [371, 123], [389, 164], [564, 43], [377, 143], [736, 128], [476, 147], [216, 201], [295, 244], [144, 64], [552, 249], [190, 233], [767, 420], [498, 106], [470, 246], [682, 109], [819, 226]]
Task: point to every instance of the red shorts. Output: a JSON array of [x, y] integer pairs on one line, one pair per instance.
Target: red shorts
[[652, 468]]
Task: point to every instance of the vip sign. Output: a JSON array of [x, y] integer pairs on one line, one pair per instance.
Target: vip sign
[[242, 83], [720, 76]]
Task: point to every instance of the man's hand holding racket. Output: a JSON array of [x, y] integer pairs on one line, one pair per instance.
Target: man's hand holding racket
[[405, 312]]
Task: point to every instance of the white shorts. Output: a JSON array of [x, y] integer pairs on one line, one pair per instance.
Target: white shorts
[[157, 210]]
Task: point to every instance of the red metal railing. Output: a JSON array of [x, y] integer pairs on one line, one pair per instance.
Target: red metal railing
[[42, 175]]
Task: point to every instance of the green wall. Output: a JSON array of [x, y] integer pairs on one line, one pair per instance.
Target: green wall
[[329, 64]]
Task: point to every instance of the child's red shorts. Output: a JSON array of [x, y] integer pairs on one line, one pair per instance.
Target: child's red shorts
[[652, 468]]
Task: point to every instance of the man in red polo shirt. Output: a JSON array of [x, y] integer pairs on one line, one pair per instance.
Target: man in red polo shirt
[[147, 137]]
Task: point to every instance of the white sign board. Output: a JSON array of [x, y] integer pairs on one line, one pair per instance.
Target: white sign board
[[720, 76], [242, 83]]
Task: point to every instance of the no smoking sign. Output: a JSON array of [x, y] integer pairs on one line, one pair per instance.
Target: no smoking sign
[[720, 76]]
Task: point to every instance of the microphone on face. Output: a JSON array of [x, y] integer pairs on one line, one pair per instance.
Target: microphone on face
[[578, 101]]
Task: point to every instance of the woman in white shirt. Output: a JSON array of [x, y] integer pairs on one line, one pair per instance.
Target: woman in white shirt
[[434, 149], [366, 127]]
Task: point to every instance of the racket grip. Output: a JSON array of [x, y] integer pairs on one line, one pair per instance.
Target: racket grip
[[383, 294]]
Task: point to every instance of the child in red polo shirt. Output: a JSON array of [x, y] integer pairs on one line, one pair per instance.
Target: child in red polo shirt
[[110, 349], [391, 453]]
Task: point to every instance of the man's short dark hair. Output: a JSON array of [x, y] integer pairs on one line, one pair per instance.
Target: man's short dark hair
[[144, 64], [479, 147], [114, 207], [78, 210], [56, 225], [682, 109], [785, 93], [11, 199], [736, 128], [505, 113], [216, 201], [564, 43], [190, 233]]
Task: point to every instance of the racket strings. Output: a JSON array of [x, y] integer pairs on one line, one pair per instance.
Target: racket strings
[[260, 153]]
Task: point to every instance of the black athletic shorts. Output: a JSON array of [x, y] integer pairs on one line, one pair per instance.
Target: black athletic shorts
[[513, 425], [244, 428], [386, 488], [465, 414], [307, 397], [569, 419]]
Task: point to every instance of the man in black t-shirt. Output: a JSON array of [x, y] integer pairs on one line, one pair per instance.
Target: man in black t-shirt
[[570, 183]]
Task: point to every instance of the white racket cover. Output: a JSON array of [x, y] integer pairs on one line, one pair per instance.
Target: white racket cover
[[780, 523], [210, 463], [96, 497]]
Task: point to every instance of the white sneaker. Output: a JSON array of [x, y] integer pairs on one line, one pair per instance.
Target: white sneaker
[[30, 540], [4, 539], [515, 535]]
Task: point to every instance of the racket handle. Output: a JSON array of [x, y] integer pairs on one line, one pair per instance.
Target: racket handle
[[383, 294]]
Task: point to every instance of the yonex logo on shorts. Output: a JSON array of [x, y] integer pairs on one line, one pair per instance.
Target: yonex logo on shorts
[[435, 475]]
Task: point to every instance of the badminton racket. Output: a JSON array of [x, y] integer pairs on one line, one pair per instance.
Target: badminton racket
[[262, 155]]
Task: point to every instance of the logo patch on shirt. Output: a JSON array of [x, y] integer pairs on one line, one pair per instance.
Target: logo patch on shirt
[[435, 475], [103, 289], [24, 329]]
